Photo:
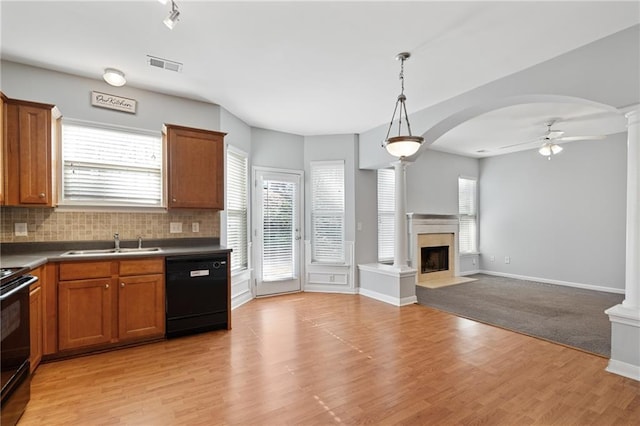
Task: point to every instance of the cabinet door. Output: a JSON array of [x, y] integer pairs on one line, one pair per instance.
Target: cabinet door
[[28, 154], [3, 109], [35, 326], [84, 312], [196, 168], [141, 306]]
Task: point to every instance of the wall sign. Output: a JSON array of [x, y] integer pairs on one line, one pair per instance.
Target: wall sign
[[104, 100]]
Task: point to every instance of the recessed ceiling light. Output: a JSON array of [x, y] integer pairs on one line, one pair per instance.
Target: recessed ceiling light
[[114, 77]]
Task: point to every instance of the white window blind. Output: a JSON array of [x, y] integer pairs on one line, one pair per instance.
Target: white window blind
[[468, 212], [236, 192], [327, 211], [110, 166], [386, 215], [278, 233]]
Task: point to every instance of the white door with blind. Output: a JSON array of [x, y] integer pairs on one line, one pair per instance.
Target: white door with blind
[[277, 230]]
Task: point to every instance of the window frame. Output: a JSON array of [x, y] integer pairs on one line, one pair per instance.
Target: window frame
[[64, 204], [341, 260], [235, 151], [474, 216], [386, 214]]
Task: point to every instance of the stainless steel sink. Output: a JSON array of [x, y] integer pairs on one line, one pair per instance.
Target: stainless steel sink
[[111, 251]]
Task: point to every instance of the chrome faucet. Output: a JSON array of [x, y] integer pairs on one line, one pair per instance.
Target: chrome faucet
[[139, 241], [116, 240]]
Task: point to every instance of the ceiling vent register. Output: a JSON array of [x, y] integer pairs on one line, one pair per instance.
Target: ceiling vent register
[[164, 64]]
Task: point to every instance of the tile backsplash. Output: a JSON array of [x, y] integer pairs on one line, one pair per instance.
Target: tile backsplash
[[45, 224]]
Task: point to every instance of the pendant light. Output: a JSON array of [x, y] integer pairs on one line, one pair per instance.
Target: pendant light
[[402, 145]]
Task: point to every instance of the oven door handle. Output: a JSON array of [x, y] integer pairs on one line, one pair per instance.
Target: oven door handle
[[20, 287]]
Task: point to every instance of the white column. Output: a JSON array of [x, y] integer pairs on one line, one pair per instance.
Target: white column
[[625, 318], [632, 273], [400, 248]]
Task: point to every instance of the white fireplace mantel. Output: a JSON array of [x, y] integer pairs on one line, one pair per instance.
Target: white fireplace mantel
[[431, 224]]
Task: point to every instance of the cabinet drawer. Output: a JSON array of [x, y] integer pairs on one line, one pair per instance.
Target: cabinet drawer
[[84, 270], [142, 266]]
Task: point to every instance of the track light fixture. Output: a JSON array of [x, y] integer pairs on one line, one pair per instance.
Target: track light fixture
[[402, 145], [171, 20]]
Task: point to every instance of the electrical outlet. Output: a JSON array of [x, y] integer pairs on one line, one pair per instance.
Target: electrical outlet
[[175, 227], [473, 261], [507, 259], [195, 227], [492, 258], [20, 229]]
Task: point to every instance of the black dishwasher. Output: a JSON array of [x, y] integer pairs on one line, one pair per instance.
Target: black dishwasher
[[197, 293]]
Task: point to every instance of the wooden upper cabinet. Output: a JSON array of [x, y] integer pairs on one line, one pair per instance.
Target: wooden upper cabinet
[[196, 168], [28, 129], [3, 129]]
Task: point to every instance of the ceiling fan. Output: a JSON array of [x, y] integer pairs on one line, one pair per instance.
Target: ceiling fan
[[551, 139]]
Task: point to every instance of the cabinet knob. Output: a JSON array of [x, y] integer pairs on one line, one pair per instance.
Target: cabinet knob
[[41, 195], [106, 286], [174, 200], [122, 285]]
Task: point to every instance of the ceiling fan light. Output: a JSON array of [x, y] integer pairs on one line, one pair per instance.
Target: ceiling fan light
[[403, 146], [545, 150], [555, 148], [164, 1], [114, 77]]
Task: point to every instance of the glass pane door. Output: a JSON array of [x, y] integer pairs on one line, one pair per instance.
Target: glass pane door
[[277, 231]]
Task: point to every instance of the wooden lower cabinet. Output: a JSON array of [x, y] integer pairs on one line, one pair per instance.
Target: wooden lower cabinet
[[118, 308], [141, 306], [84, 313], [35, 325]]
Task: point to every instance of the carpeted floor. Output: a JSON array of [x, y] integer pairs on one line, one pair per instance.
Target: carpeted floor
[[567, 315]]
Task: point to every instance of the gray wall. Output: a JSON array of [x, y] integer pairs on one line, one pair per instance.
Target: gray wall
[[270, 148], [432, 182], [72, 95], [238, 132], [562, 219]]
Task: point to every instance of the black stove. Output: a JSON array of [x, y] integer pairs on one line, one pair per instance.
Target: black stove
[[15, 347], [11, 278]]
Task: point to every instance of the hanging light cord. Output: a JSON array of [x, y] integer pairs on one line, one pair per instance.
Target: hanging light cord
[[401, 100]]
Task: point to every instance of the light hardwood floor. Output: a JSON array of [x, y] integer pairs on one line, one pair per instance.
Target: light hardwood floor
[[313, 359]]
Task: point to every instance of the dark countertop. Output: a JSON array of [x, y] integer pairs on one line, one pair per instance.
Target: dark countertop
[[32, 255]]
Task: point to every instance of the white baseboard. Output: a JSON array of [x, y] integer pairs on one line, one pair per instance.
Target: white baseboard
[[240, 299], [556, 282], [320, 288], [395, 301], [624, 369], [475, 271]]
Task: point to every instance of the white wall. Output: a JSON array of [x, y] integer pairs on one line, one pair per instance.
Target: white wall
[[560, 220], [72, 95]]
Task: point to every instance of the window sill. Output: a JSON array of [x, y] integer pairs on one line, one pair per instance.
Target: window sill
[[109, 209], [473, 253], [330, 264]]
